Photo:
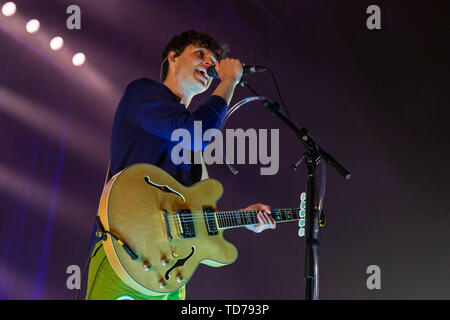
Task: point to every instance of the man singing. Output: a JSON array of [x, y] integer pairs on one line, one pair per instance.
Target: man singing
[[147, 115]]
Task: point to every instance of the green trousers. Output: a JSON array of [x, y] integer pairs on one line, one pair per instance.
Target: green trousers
[[104, 284]]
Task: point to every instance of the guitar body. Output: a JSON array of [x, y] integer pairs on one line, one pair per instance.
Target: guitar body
[[163, 222]]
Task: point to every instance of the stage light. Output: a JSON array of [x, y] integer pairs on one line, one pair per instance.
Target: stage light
[[33, 26], [9, 9], [56, 43], [78, 59]]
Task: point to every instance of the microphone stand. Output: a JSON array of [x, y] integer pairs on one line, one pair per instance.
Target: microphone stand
[[314, 218]]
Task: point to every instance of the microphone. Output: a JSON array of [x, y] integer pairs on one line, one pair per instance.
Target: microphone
[[245, 70]]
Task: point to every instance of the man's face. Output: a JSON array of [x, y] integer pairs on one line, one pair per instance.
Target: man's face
[[191, 66]]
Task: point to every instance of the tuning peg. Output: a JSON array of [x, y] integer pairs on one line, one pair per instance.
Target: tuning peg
[[301, 232], [303, 196], [301, 223], [302, 213]]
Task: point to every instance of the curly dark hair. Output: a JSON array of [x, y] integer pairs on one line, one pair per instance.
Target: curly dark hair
[[201, 39]]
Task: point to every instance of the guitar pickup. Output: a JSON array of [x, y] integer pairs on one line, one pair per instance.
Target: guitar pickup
[[186, 223], [210, 219]]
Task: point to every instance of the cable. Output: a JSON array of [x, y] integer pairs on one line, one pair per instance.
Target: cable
[[101, 236], [278, 91], [160, 70], [130, 252]]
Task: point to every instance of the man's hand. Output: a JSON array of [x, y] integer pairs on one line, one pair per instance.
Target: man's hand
[[264, 218], [229, 69], [230, 73]]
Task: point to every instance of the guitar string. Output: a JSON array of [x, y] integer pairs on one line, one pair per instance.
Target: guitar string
[[277, 211], [225, 223], [223, 218], [227, 215], [233, 218], [223, 214]]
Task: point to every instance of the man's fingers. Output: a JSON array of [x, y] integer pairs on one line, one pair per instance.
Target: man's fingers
[[270, 220], [262, 219], [266, 219]]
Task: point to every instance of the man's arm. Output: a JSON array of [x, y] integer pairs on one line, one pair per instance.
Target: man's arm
[[225, 90], [145, 104]]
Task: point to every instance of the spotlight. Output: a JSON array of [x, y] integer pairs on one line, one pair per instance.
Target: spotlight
[[9, 9], [56, 43], [78, 59], [33, 26]]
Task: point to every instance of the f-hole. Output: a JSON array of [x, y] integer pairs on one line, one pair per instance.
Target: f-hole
[[164, 188], [179, 263]]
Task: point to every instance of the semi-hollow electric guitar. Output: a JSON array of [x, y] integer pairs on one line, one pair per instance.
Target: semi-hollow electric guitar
[[156, 231]]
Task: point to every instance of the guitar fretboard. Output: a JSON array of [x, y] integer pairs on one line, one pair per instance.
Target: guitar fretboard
[[231, 219]]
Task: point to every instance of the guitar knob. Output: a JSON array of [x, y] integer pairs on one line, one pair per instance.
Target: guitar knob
[[147, 266], [162, 284], [165, 261], [180, 278]]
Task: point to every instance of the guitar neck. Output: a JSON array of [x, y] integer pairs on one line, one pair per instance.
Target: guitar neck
[[233, 219]]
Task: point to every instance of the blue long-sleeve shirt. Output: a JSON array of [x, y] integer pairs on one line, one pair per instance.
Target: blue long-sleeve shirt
[[145, 118], [147, 115]]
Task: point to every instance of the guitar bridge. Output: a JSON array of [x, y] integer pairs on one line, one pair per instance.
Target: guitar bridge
[[167, 225]]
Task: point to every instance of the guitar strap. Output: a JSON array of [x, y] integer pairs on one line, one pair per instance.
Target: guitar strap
[[108, 174], [97, 235], [100, 234]]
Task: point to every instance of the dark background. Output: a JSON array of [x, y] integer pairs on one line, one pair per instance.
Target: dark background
[[375, 99]]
